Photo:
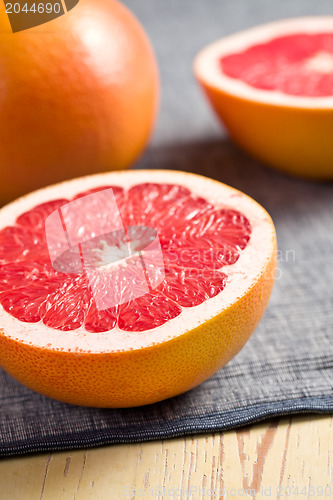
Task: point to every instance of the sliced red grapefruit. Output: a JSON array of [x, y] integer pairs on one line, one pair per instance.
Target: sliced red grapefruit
[[272, 87], [219, 260]]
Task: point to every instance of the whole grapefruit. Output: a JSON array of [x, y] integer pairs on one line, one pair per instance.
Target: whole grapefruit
[[78, 95]]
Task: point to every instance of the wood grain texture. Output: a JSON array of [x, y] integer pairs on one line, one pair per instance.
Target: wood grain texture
[[286, 458]]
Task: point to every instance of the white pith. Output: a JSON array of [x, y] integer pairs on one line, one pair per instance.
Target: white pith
[[208, 70], [322, 62], [241, 276]]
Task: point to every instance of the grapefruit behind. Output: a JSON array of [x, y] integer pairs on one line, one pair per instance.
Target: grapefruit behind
[[272, 87], [78, 95]]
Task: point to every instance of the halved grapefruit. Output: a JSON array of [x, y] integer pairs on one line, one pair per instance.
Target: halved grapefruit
[[272, 87], [219, 259]]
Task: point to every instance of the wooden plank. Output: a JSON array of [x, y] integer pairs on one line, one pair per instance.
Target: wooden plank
[[290, 457]]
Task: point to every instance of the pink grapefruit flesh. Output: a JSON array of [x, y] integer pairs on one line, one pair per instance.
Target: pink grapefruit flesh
[[298, 64]]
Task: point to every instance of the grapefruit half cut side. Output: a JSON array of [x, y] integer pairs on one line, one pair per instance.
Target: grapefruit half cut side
[[197, 306], [272, 87]]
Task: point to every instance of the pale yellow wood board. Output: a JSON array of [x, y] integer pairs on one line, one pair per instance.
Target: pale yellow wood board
[[261, 461]]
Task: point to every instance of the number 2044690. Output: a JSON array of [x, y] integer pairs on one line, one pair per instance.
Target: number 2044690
[[307, 491], [40, 8]]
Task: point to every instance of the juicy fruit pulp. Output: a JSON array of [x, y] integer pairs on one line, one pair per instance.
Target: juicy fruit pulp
[[299, 64], [198, 242]]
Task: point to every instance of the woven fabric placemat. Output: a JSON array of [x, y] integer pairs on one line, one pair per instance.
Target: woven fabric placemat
[[287, 365]]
